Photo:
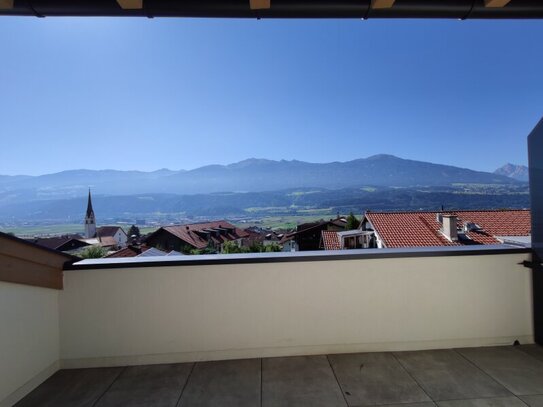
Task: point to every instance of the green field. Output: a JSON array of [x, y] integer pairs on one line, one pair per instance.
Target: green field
[[60, 229], [41, 230]]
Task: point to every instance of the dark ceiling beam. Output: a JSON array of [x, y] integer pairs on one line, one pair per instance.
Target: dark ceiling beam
[[457, 9], [130, 4], [6, 4]]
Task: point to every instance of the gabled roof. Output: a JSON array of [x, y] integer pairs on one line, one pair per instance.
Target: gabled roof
[[54, 242], [104, 231], [152, 252], [330, 240], [108, 241], [415, 229], [130, 251], [126, 252], [199, 235]]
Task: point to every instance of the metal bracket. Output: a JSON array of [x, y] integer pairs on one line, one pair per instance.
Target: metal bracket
[[530, 264]]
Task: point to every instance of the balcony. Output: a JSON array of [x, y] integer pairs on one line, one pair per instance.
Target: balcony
[[494, 376], [249, 329]]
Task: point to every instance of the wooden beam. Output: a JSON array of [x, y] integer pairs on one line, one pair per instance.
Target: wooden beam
[[131, 4], [6, 4], [496, 3], [377, 4], [259, 4]]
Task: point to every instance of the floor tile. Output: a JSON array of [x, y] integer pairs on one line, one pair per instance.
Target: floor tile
[[533, 401], [368, 379], [300, 381], [446, 375], [72, 388], [492, 402], [424, 404], [226, 383], [519, 372], [535, 351], [154, 385]]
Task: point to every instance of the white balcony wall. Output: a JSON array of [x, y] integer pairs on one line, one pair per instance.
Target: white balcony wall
[[185, 313], [29, 339]]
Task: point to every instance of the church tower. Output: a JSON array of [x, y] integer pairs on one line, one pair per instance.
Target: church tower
[[90, 220]]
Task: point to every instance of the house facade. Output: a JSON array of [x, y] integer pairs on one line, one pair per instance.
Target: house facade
[[348, 239]]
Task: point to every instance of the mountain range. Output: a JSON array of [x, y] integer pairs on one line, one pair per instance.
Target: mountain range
[[252, 175], [258, 186], [518, 172]]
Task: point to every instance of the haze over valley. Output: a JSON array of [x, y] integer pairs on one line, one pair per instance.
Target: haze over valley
[[256, 188]]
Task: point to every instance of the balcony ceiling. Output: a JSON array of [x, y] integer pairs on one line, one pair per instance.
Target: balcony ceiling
[[456, 9]]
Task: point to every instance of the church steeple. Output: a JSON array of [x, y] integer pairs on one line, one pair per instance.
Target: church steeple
[[90, 220]]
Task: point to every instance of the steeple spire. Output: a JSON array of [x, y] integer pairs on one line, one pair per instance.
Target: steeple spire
[[90, 211], [90, 220]]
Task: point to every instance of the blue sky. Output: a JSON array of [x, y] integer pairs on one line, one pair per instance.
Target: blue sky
[[181, 93]]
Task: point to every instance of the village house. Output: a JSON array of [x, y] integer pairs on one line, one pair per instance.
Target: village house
[[199, 236], [64, 243], [308, 235], [347, 239], [453, 228]]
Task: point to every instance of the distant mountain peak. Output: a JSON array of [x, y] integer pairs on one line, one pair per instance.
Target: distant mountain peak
[[249, 162], [515, 171], [382, 157]]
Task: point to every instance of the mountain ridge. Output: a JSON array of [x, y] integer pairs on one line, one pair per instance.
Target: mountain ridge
[[515, 171], [251, 175]]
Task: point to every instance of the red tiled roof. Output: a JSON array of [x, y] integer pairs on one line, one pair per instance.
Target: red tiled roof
[[189, 233], [414, 229], [130, 251], [330, 240], [108, 241], [104, 231], [126, 252]]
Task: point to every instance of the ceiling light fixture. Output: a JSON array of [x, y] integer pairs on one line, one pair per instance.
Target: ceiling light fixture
[[259, 4], [131, 4], [378, 4]]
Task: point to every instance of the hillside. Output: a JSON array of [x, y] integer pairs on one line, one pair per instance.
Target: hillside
[[253, 175], [518, 172], [171, 207]]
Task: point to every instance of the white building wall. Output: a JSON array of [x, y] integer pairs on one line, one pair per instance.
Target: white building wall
[[121, 238], [186, 313], [29, 339]]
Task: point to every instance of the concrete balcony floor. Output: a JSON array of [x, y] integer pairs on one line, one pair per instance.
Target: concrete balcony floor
[[474, 377]]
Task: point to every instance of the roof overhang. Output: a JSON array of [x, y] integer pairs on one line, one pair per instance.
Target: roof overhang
[[456, 9]]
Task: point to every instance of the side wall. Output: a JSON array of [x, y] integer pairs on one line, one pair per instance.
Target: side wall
[[29, 338], [185, 313], [535, 155]]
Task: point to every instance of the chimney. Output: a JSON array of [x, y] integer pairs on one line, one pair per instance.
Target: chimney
[[449, 229]]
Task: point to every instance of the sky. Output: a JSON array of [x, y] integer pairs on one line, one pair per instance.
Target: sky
[[145, 94]]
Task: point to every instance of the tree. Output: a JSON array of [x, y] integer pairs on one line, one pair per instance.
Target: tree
[[352, 222], [231, 248], [273, 247], [134, 231], [256, 247], [93, 252], [207, 250]]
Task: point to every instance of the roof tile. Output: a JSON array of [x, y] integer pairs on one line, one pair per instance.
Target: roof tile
[[414, 229]]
